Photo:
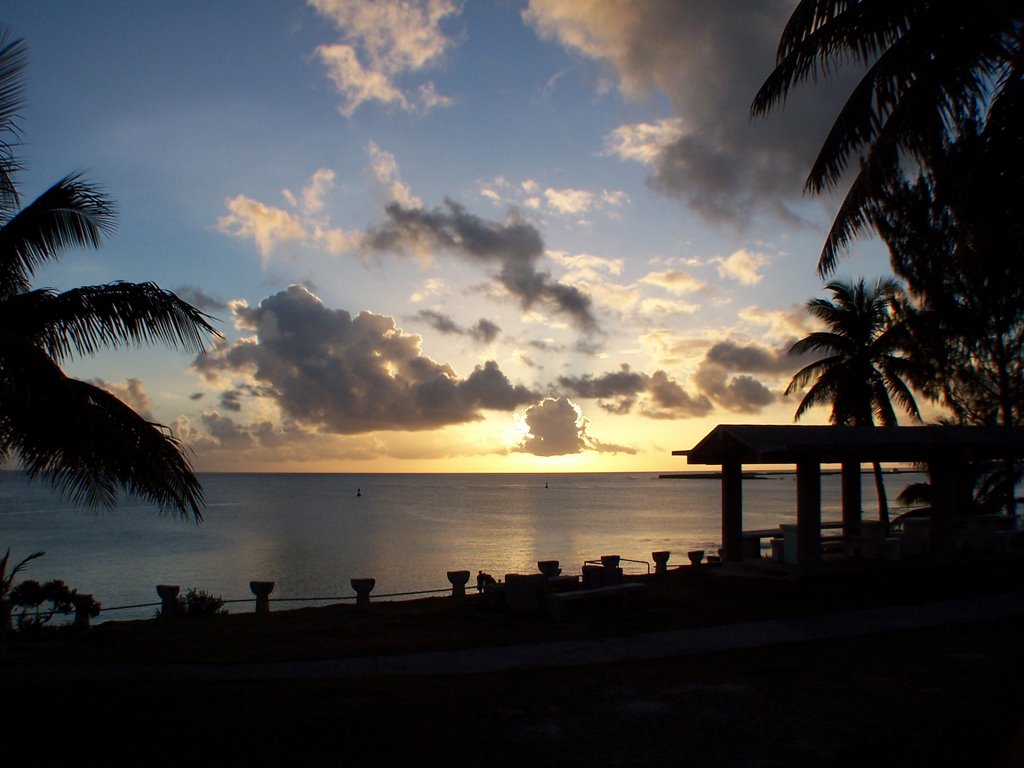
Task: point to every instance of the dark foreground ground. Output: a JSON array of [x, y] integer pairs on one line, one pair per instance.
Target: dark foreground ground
[[949, 695]]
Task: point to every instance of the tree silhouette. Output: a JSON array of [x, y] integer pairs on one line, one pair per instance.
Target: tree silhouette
[[928, 68], [956, 237], [862, 371], [77, 436]]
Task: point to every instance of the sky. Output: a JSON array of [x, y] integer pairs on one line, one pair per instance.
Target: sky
[[497, 235]]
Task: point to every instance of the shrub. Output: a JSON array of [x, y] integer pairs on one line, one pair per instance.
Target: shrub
[[39, 603], [199, 602]]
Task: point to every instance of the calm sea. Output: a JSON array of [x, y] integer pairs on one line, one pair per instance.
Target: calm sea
[[311, 533]]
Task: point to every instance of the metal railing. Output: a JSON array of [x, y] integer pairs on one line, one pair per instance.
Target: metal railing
[[323, 599]]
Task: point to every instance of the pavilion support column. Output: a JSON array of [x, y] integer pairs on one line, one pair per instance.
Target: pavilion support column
[[950, 490], [732, 511], [808, 515], [852, 503]]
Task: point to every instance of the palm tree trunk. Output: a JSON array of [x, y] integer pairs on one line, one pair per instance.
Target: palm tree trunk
[[883, 504]]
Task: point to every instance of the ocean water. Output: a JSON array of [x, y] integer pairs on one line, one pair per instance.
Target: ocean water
[[312, 533]]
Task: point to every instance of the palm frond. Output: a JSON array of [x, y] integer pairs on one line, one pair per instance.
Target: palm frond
[[13, 57], [927, 73], [7, 579], [89, 318], [821, 35], [88, 444], [809, 372], [71, 213], [819, 341]]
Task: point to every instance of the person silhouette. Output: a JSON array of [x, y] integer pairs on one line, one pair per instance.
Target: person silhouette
[[359, 492], [482, 580]]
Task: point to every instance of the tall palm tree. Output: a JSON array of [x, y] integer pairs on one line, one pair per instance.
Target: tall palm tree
[[928, 67], [862, 371], [80, 438]]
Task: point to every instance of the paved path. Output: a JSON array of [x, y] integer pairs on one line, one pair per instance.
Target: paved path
[[654, 645]]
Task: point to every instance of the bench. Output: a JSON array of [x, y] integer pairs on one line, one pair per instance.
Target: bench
[[582, 602]]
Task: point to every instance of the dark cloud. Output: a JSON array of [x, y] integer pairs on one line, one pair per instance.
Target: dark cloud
[[349, 375], [490, 388], [709, 57], [546, 346], [514, 246], [619, 391], [557, 427], [196, 396], [743, 393], [227, 433], [750, 358], [662, 397], [198, 298], [483, 331], [231, 400], [668, 400], [440, 322], [623, 382]]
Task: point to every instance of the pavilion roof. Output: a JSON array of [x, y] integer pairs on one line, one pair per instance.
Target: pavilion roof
[[786, 444]]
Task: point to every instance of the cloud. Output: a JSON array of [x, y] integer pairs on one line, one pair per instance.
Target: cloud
[[200, 299], [619, 391], [567, 202], [742, 266], [268, 227], [327, 369], [384, 168], [783, 325], [432, 286], [670, 401], [271, 227], [674, 281], [514, 246], [643, 142], [709, 58], [742, 393], [556, 427], [130, 392], [380, 43], [483, 330], [722, 380], [750, 358]]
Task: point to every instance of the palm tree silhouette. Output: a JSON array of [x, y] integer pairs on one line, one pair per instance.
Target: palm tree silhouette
[[927, 70], [862, 371], [77, 436]]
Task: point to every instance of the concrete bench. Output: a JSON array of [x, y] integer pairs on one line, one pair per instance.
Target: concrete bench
[[582, 602]]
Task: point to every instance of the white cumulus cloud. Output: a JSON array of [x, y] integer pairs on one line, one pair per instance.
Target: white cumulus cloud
[[381, 42]]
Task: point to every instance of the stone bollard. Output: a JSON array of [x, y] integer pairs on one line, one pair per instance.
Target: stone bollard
[[168, 597], [262, 590], [549, 568], [696, 557], [660, 561], [458, 581], [83, 610], [363, 588]]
